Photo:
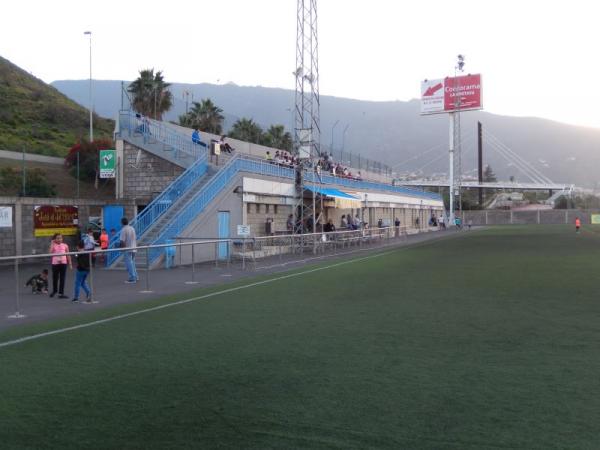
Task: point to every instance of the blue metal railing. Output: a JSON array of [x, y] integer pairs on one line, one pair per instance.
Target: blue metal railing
[[152, 129], [163, 202], [213, 188]]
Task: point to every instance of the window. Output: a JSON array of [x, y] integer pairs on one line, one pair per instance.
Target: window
[[248, 208], [275, 209], [267, 208]]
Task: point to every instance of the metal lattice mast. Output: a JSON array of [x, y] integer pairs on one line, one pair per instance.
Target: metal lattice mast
[[307, 132]]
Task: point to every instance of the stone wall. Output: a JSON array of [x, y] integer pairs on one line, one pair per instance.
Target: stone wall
[[145, 175]]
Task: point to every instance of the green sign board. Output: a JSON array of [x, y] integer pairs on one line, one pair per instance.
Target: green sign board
[[108, 162]]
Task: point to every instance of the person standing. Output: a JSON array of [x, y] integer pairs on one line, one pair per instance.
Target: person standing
[[59, 265], [89, 244], [128, 240], [104, 241], [83, 270], [577, 225]]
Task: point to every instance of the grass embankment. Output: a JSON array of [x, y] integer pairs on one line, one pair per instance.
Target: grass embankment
[[37, 118]]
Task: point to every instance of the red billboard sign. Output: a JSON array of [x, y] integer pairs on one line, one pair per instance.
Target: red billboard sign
[[462, 93], [451, 94], [50, 219]]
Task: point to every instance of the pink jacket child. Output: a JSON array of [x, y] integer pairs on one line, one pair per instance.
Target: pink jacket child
[[59, 265]]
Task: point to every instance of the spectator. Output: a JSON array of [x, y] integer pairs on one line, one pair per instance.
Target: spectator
[[290, 224], [357, 222], [344, 222], [196, 138], [329, 227], [83, 270], [128, 240], [59, 265], [380, 223], [89, 244], [350, 222], [269, 157], [104, 241], [225, 146]]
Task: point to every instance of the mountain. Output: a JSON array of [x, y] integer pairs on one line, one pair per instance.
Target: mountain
[[37, 118], [392, 132]]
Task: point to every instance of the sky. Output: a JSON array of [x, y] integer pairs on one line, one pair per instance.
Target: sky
[[537, 58]]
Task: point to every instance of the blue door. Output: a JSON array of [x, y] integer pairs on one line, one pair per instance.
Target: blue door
[[223, 221], [112, 215]]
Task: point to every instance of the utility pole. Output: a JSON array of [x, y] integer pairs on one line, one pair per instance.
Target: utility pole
[[480, 161], [89, 33]]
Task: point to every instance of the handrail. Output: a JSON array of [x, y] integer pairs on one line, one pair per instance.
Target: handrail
[[161, 204], [209, 191], [154, 129]]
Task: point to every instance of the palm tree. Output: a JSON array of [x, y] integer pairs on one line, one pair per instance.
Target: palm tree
[[246, 130], [277, 137], [205, 116], [150, 94]]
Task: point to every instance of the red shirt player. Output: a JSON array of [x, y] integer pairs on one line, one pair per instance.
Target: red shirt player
[[577, 224]]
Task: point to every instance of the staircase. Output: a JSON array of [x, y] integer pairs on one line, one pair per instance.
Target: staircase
[[188, 196]]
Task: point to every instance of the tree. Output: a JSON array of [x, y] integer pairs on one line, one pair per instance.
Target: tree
[[488, 175], [151, 96], [205, 116], [89, 159], [246, 130], [277, 137]]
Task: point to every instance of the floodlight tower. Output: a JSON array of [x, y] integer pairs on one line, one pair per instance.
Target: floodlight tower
[[307, 131]]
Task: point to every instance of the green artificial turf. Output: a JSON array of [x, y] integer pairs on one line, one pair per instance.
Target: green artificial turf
[[490, 340]]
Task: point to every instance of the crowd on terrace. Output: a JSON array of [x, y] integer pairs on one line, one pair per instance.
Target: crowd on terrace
[[324, 164]]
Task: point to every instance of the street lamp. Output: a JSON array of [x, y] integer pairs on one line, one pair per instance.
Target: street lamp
[[89, 33], [344, 137], [333, 128]]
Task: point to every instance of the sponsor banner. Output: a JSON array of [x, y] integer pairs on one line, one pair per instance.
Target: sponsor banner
[[6, 216], [451, 94], [108, 164], [50, 219], [432, 96], [595, 219]]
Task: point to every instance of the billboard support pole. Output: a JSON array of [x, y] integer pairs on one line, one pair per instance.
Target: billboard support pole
[[451, 171]]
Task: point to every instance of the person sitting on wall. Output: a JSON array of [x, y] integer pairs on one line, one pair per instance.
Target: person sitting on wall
[[224, 145], [196, 138], [269, 157]]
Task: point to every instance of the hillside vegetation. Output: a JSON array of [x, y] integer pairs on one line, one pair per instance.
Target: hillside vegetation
[[36, 117]]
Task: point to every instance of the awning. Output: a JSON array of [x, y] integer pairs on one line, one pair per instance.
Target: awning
[[342, 199], [329, 192]]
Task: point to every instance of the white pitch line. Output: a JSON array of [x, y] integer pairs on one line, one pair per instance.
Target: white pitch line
[[202, 297]]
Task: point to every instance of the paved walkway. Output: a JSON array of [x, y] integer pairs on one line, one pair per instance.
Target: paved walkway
[[110, 288]]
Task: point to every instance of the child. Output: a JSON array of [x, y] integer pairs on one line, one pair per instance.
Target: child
[[59, 265], [39, 283], [83, 270]]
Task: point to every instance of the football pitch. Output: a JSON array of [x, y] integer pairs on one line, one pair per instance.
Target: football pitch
[[488, 339]]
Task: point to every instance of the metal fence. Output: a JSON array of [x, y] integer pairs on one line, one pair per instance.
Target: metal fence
[[189, 255], [541, 217]]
